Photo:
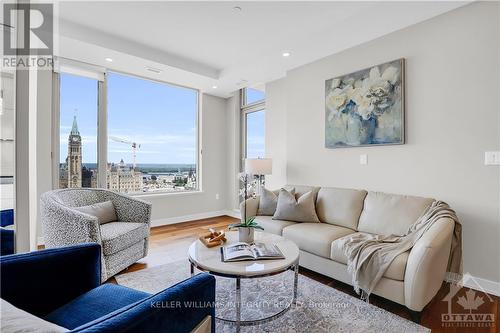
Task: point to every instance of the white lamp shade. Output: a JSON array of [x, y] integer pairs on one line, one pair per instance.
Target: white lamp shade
[[258, 166]]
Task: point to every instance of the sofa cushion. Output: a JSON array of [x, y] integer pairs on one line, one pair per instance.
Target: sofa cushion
[[340, 206], [104, 211], [273, 226], [396, 270], [315, 238], [301, 209], [117, 236], [94, 304], [268, 201], [386, 214], [15, 320], [300, 190]]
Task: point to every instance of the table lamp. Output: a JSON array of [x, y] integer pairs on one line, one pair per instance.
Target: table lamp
[[259, 167]]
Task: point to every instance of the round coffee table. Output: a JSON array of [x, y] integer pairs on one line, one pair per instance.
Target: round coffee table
[[209, 260]]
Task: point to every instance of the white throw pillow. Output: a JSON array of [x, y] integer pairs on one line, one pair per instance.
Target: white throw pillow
[[302, 209], [15, 320], [104, 211]]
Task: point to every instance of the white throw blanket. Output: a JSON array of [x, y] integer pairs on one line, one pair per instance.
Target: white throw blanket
[[369, 256]]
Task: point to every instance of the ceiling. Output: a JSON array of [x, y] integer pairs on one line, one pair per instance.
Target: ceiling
[[208, 44]]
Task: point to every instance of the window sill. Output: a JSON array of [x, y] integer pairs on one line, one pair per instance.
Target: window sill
[[148, 195]]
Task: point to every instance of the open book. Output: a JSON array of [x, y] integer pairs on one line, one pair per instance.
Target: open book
[[244, 251]]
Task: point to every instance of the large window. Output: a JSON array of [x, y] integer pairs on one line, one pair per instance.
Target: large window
[[149, 143], [78, 131], [152, 136], [253, 122], [7, 138], [255, 134]]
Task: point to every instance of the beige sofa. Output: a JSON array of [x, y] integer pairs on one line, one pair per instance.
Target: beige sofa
[[413, 278]]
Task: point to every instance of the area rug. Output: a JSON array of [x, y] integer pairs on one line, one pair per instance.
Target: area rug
[[320, 308]]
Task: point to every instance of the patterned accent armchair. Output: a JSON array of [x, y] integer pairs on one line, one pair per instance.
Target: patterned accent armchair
[[123, 242]]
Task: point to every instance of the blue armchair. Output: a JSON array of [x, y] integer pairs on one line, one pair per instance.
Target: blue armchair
[[6, 232], [63, 286]]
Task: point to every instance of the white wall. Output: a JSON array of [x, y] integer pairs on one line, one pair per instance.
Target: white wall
[[452, 118], [233, 150], [276, 132]]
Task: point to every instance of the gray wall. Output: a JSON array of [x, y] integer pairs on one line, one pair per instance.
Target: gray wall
[[452, 119]]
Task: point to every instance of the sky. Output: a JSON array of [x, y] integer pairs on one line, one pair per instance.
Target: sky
[[256, 134], [161, 118]]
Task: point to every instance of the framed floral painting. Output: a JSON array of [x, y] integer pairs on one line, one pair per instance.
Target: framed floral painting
[[366, 107]]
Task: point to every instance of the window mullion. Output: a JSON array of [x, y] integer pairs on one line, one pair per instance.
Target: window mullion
[[102, 134]]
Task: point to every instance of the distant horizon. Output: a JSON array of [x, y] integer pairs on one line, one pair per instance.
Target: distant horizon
[[141, 164]]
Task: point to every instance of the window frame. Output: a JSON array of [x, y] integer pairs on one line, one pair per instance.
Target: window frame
[[243, 100], [244, 111], [102, 128]]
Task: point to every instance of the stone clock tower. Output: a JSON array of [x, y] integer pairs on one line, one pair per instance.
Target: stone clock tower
[[74, 159]]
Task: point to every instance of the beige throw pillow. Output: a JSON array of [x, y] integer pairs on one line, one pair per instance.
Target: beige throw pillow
[[268, 201], [302, 209], [104, 211]]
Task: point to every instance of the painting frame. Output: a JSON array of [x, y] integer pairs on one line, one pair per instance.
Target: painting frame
[[401, 101]]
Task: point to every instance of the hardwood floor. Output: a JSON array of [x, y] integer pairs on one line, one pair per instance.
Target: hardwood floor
[[165, 237]]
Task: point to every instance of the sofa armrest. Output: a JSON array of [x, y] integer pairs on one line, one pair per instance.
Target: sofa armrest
[[129, 209], [178, 309], [41, 281], [252, 207], [63, 226], [427, 264]]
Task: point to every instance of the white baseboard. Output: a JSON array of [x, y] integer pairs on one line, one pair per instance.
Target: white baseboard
[[192, 217], [480, 284]]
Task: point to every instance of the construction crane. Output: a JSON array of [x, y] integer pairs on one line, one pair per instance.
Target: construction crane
[[134, 146]]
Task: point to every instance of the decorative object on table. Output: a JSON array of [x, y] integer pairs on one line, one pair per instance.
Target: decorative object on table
[[259, 167], [246, 229], [80, 215], [244, 252], [366, 107], [213, 238]]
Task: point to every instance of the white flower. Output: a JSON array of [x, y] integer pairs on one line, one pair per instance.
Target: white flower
[[374, 73], [391, 74], [335, 83], [365, 107], [335, 100]]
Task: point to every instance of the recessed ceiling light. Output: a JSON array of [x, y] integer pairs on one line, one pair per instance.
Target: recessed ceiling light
[[286, 54], [214, 87], [109, 60], [154, 70], [237, 9]]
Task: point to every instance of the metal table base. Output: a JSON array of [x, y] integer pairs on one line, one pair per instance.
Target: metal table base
[[238, 322]]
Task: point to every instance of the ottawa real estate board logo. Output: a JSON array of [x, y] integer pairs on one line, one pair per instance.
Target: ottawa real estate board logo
[[468, 308], [27, 35]]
